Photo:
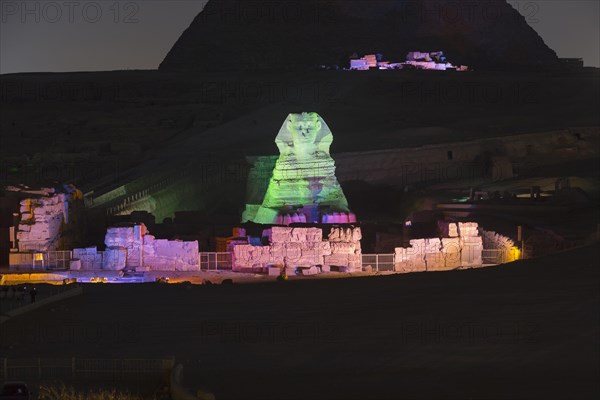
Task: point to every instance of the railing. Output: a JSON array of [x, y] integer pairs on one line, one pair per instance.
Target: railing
[[378, 262], [85, 369], [59, 260], [41, 260], [213, 261]]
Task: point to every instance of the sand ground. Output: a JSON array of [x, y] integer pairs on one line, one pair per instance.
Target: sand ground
[[523, 330]]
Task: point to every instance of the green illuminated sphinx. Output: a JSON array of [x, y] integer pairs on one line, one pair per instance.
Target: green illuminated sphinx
[[303, 180]]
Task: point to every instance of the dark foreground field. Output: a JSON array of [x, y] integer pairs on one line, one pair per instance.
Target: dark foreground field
[[525, 330]]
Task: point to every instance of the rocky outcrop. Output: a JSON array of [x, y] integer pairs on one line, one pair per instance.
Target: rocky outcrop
[[300, 34]]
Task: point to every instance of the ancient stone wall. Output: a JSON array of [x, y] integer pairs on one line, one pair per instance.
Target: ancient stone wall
[[168, 255], [40, 223], [430, 162], [303, 248], [504, 246], [461, 249], [132, 247]]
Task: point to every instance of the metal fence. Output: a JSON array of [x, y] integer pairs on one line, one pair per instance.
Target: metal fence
[[379, 262], [48, 260], [58, 260], [85, 369], [213, 261]]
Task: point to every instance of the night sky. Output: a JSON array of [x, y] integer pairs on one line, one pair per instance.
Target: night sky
[[111, 35]]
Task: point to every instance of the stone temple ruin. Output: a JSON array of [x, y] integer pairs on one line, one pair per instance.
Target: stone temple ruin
[[42, 214], [303, 187], [302, 250], [133, 248]]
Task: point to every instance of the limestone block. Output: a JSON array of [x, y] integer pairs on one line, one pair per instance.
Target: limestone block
[[167, 255], [281, 234], [114, 258], [451, 245], [314, 247], [426, 246], [435, 261], [148, 240], [97, 261], [290, 271], [312, 255], [468, 229], [75, 264], [90, 258], [277, 260], [345, 234], [309, 260], [265, 256], [325, 248], [314, 234], [354, 266], [119, 237], [242, 257], [298, 235], [85, 252], [293, 253], [471, 240], [356, 234], [452, 230], [452, 257], [274, 271], [310, 271], [471, 255], [354, 258], [278, 250], [342, 248], [408, 254], [325, 268], [336, 259]]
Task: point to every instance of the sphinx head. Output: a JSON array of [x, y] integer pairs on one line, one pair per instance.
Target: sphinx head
[[304, 129]]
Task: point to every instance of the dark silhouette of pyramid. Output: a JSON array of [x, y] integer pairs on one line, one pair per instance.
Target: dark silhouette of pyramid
[[231, 35]]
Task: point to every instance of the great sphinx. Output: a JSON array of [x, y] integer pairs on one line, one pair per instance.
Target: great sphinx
[[303, 186]]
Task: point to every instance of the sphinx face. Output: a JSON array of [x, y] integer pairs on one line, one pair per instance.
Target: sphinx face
[[304, 129]]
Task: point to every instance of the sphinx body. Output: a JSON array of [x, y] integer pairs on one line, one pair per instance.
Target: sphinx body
[[303, 182]]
